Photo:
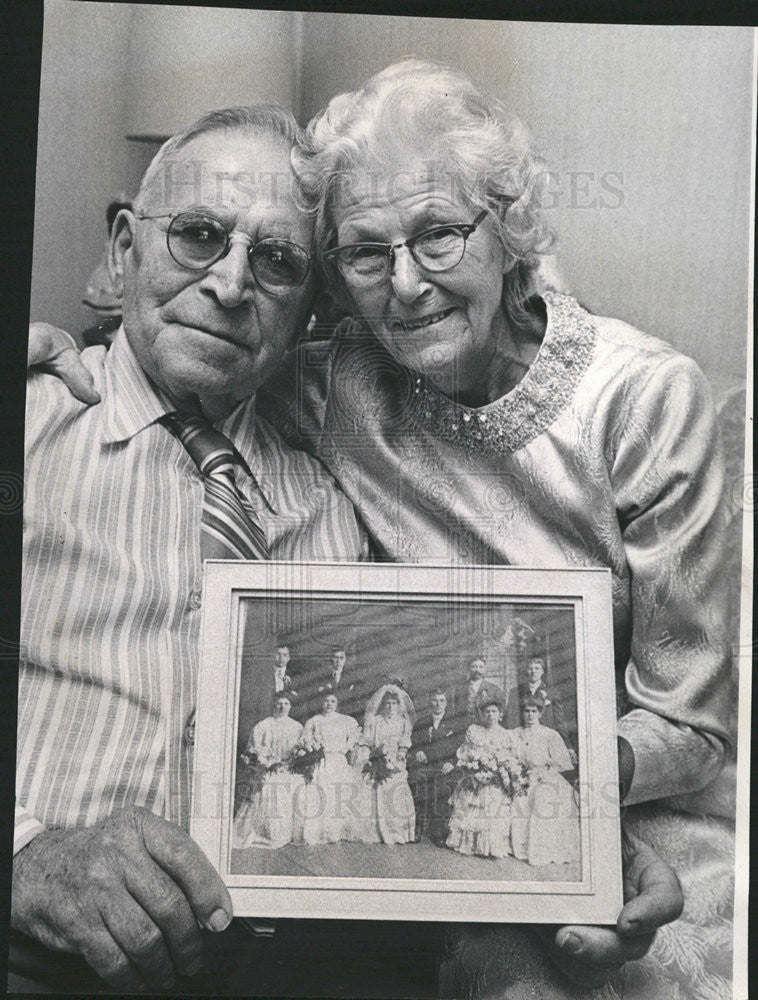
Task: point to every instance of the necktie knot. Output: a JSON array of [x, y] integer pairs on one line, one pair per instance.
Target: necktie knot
[[211, 451], [230, 528]]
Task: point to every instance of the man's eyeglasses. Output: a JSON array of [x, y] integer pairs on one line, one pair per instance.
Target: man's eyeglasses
[[438, 249], [196, 241]]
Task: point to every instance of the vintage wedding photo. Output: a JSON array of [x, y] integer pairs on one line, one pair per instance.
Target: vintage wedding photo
[[385, 604], [462, 745], [368, 730]]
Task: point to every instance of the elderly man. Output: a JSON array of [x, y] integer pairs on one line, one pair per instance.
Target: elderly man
[[213, 263], [122, 506]]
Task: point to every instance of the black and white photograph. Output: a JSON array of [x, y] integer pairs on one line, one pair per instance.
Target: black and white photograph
[[399, 737], [364, 724], [321, 300]]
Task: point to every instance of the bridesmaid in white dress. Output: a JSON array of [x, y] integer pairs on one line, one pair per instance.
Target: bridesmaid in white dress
[[326, 808], [480, 821], [266, 818], [545, 829], [387, 729]]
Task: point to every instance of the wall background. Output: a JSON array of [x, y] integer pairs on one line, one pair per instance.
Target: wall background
[[647, 131]]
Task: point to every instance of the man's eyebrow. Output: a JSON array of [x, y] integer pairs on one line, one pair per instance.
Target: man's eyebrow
[[219, 211]]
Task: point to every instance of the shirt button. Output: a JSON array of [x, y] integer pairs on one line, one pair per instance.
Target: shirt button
[[195, 600]]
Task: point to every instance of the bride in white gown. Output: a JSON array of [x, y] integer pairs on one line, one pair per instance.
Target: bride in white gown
[[387, 739]]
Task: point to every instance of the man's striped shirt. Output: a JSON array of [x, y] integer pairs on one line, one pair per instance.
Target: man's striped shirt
[[112, 588]]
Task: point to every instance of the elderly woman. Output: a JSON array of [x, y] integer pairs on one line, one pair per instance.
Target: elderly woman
[[544, 827], [474, 416], [391, 815]]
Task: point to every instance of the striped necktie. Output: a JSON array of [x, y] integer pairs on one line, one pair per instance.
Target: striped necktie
[[229, 527]]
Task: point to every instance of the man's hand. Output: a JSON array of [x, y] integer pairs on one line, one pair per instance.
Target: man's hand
[[653, 897], [421, 757], [128, 894], [55, 352], [447, 767]]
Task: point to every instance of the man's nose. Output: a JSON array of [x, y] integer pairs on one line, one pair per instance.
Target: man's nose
[[409, 280], [230, 278]]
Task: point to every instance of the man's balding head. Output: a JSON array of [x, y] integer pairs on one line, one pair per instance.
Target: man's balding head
[[210, 336]]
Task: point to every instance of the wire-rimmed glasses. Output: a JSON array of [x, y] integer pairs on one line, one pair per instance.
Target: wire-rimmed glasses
[[196, 240], [437, 249]]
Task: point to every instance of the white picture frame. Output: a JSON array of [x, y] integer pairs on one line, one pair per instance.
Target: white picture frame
[[263, 599]]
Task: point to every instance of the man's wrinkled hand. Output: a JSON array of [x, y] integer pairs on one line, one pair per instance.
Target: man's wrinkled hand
[[653, 897], [54, 351], [129, 894]]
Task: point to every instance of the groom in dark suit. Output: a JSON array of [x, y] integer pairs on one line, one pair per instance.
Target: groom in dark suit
[[431, 763]]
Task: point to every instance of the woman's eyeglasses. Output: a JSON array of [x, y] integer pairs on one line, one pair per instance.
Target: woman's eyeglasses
[[196, 241], [438, 249]]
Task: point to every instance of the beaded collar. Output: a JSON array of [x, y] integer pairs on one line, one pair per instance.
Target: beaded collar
[[511, 422]]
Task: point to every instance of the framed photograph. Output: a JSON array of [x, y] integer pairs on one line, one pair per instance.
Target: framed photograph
[[420, 742]]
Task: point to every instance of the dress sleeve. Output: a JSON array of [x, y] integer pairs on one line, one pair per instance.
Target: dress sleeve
[[353, 732], [260, 737], [668, 482], [405, 735], [294, 400], [468, 742], [559, 756], [309, 729]]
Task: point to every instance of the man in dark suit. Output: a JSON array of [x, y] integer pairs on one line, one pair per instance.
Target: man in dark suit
[[338, 678], [472, 695], [276, 678], [283, 675], [431, 763]]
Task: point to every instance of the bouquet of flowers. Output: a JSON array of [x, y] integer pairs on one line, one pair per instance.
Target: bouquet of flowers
[[513, 774], [482, 766], [381, 765], [305, 757], [256, 765]]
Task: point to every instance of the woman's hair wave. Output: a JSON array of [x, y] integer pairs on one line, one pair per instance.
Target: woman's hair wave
[[481, 151]]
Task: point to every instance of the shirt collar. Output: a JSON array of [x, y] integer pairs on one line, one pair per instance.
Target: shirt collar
[[130, 399], [133, 402]]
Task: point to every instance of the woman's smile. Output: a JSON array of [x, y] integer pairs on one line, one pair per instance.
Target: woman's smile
[[423, 321]]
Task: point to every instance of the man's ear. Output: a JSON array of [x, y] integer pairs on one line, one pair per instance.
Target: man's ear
[[122, 238]]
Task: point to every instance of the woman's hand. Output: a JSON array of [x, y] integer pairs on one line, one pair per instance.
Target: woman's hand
[[54, 351], [653, 897]]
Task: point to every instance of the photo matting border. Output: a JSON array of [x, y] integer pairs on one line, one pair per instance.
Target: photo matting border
[[596, 898]]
